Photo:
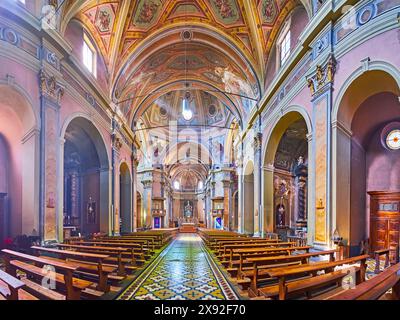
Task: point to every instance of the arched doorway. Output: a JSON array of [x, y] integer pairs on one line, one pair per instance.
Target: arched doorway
[[86, 179], [248, 194], [19, 165], [139, 217], [364, 161], [125, 201], [285, 177]]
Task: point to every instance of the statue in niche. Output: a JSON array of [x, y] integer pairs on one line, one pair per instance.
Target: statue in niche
[[91, 211], [301, 168], [280, 215], [188, 210]]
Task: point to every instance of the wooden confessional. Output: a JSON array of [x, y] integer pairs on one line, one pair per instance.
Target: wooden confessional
[[385, 222]]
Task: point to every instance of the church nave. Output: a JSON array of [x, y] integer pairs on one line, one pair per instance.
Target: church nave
[[243, 150]]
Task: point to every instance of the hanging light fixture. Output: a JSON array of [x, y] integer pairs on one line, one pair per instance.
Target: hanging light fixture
[[186, 112]]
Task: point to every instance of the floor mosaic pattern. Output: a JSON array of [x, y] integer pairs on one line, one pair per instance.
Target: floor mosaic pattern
[[183, 271]]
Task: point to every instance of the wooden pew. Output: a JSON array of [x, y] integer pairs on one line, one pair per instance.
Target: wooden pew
[[103, 272], [218, 247], [138, 252], [226, 251], [283, 288], [262, 265], [63, 276], [244, 254], [115, 254], [374, 288], [148, 242], [13, 285], [145, 243]]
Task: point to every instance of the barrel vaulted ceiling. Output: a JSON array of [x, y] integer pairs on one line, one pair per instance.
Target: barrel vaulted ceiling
[[151, 45]]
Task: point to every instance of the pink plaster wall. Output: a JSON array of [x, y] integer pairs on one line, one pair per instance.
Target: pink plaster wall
[[23, 77], [10, 135], [74, 35], [69, 107], [299, 20], [376, 49]]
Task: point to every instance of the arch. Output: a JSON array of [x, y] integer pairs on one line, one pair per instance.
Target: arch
[[381, 66], [287, 113], [23, 104], [292, 115], [125, 200], [353, 140], [20, 135], [86, 175], [75, 115]]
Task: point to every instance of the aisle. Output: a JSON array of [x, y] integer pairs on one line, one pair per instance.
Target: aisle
[[183, 271]]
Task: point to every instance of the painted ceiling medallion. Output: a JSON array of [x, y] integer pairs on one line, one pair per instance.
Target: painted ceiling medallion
[[268, 11], [147, 12], [226, 10]]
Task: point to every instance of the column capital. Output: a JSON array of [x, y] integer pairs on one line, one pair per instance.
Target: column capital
[[50, 87], [322, 77]]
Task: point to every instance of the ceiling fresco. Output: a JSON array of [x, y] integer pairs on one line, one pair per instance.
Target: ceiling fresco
[[146, 44], [207, 110], [196, 62]]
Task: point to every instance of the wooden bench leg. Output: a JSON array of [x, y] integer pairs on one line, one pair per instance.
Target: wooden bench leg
[[282, 288], [13, 294], [121, 268], [377, 264], [387, 263], [72, 292], [103, 282]]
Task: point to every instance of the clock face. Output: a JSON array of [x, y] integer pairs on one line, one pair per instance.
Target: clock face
[[393, 139]]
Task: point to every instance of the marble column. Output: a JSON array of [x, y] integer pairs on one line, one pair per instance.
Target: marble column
[[115, 198], [146, 202], [50, 103], [134, 165], [258, 216], [320, 83]]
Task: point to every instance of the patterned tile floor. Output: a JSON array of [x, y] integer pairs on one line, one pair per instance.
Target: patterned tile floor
[[183, 271]]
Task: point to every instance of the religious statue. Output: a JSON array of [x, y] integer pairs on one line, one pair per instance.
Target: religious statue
[[280, 215], [91, 211]]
